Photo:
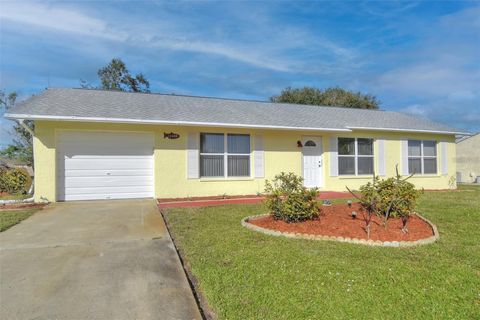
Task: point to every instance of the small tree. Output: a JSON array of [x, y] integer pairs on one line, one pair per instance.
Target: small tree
[[21, 148], [116, 76], [368, 200], [392, 197]]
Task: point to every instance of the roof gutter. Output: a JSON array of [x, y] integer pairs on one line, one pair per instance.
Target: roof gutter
[[411, 130], [167, 123], [22, 117]]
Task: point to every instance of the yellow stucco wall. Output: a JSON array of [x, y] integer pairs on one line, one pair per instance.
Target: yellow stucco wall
[[281, 154], [393, 158]]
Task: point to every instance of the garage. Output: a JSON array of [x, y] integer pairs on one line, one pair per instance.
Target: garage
[[104, 165]]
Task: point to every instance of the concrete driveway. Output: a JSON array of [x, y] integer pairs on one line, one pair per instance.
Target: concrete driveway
[[93, 260]]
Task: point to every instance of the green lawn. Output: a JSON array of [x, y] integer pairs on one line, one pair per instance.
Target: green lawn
[[249, 275], [10, 218]]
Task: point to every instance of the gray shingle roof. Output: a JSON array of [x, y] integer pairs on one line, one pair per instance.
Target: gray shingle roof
[[100, 105]]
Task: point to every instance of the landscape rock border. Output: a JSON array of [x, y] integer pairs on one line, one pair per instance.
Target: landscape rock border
[[429, 240], [14, 201]]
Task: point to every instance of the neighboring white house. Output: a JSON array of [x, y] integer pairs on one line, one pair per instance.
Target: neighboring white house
[[468, 159]]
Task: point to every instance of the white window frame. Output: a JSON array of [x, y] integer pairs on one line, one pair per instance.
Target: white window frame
[[225, 155], [422, 157], [356, 156]]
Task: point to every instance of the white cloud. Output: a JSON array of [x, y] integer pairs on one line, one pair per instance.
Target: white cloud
[[415, 109], [177, 34], [438, 75], [222, 50], [464, 115], [388, 9], [59, 19], [431, 78], [442, 63], [71, 21]]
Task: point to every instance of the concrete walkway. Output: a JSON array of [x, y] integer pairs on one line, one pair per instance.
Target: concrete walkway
[[219, 201], [93, 260]]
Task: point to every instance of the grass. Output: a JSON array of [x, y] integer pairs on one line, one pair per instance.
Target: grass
[[249, 275], [9, 218]]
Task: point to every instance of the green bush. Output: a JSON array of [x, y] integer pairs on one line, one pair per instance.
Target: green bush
[[397, 198], [288, 200], [387, 198], [14, 180]]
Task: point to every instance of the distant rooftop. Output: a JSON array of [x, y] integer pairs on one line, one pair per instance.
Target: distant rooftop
[[461, 138], [170, 109]]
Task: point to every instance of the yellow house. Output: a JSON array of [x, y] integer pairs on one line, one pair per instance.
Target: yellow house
[[94, 144]]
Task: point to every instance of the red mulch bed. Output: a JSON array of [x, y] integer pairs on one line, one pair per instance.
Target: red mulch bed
[[336, 220], [165, 203], [22, 206]]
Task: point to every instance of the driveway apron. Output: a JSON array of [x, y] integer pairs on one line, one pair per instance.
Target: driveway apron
[[93, 260]]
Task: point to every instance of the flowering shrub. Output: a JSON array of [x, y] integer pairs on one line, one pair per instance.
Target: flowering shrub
[[288, 200]]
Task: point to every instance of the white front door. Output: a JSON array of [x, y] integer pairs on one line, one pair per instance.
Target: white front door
[[312, 162]]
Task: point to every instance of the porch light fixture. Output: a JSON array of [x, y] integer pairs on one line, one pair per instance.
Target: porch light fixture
[[299, 144]]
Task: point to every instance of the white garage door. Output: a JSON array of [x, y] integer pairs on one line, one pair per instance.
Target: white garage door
[[104, 165]]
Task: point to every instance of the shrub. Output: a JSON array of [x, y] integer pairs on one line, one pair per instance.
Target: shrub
[[288, 200], [14, 180], [392, 197], [397, 198]]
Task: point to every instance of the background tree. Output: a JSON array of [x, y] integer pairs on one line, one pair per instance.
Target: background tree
[[337, 97], [115, 76], [21, 149]]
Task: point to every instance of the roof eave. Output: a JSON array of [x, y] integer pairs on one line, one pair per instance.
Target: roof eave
[[169, 123], [410, 130], [214, 124]]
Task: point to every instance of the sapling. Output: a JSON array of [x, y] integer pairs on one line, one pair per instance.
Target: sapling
[[368, 202], [392, 197]]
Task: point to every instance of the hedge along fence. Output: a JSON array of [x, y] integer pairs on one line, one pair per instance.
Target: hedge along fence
[[14, 181]]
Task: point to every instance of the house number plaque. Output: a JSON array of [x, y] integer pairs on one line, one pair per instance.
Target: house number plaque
[[170, 135]]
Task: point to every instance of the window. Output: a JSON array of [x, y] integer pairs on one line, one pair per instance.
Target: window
[[224, 155], [422, 157], [212, 150], [310, 143], [355, 156]]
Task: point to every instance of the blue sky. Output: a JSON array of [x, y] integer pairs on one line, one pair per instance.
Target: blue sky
[[418, 57]]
